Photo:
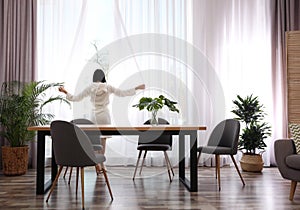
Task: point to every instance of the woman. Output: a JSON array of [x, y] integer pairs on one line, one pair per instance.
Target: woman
[[99, 92]]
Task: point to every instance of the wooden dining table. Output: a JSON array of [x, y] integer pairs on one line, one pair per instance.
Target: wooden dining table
[[182, 131]]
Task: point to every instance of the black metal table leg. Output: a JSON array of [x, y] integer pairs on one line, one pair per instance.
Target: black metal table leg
[[193, 162], [40, 177], [181, 157], [41, 186], [192, 184], [53, 166]]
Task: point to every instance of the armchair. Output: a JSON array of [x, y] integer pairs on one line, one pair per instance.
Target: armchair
[[288, 162]]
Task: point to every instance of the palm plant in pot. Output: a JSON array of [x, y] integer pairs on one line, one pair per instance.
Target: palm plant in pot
[[155, 104], [21, 106], [250, 112]]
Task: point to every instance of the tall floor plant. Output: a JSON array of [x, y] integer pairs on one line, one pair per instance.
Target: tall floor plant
[[21, 106], [250, 111]]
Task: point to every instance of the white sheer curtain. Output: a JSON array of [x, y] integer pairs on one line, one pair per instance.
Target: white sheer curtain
[[66, 31], [236, 37], [156, 64], [228, 40]]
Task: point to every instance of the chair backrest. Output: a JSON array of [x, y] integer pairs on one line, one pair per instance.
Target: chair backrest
[[156, 138], [226, 134], [95, 139], [82, 121], [71, 145]]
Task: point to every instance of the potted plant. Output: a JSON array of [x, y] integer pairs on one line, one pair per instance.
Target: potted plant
[[250, 112], [21, 106], [155, 104]]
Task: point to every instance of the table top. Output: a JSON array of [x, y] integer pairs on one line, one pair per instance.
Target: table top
[[127, 128]]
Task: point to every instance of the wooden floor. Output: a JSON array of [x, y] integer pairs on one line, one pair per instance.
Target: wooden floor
[[154, 191]]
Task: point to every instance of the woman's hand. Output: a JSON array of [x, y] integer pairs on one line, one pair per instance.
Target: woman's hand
[[141, 87], [62, 89]]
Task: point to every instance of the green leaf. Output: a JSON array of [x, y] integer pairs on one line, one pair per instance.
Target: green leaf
[[156, 103], [249, 111], [21, 106]]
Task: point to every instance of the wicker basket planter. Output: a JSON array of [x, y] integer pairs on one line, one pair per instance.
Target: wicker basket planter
[[252, 163], [14, 160]]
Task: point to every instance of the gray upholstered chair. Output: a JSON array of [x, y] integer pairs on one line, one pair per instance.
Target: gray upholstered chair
[[155, 142], [288, 162], [95, 140], [223, 141], [72, 148]]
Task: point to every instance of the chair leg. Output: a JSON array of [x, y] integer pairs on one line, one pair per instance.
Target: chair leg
[[65, 172], [82, 186], [137, 163], [106, 180], [70, 176], [143, 161], [98, 169], [103, 143], [165, 153], [54, 183], [292, 190], [218, 170], [198, 158], [237, 169], [77, 178], [170, 165]]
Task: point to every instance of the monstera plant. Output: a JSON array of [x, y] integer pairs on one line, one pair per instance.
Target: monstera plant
[[154, 104]]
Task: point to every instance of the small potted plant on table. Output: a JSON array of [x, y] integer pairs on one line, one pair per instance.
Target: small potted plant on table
[[155, 104], [255, 131]]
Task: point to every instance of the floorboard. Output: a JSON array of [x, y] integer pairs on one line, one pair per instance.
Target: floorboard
[[152, 190]]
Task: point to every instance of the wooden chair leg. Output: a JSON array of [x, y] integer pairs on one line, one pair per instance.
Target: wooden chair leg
[[137, 163], [218, 170], [106, 180], [82, 187], [103, 143], [143, 161], [65, 172], [165, 153], [77, 178], [98, 169], [170, 165], [54, 183], [216, 162], [292, 190], [237, 169], [70, 175]]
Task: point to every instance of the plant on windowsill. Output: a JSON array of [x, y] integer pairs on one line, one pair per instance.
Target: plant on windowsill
[[250, 112], [155, 104], [21, 106]]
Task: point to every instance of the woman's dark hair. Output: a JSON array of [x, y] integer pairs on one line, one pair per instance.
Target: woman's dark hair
[[99, 76]]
